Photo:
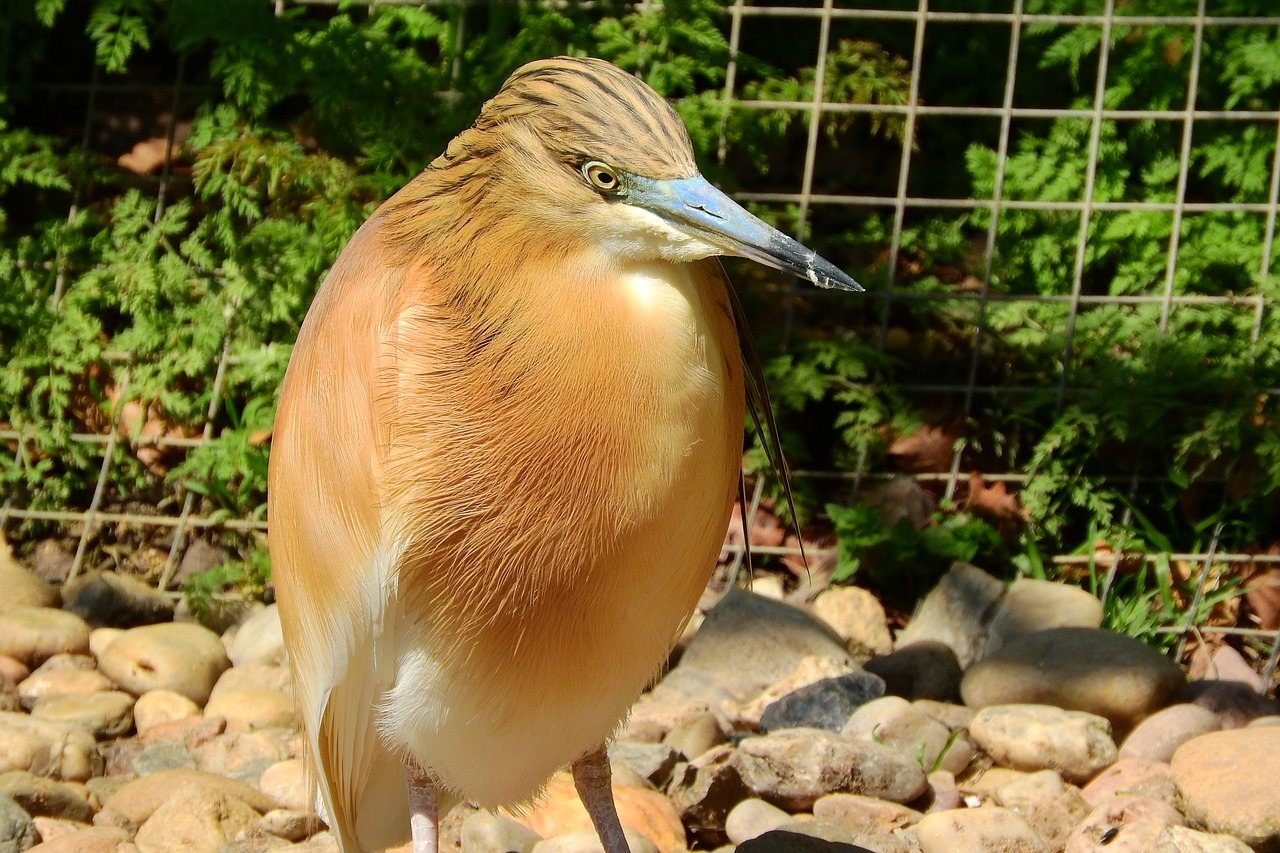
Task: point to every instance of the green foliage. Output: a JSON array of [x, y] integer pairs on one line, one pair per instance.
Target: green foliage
[[249, 577]]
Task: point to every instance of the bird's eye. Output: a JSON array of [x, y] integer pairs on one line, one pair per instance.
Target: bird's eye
[[602, 177]]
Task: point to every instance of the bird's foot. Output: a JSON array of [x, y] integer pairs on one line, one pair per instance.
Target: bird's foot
[[424, 817], [592, 778]]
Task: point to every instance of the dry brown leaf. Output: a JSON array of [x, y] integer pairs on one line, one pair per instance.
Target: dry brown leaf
[[927, 450], [994, 502]]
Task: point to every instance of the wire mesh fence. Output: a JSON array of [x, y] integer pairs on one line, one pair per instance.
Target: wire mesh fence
[[898, 205]]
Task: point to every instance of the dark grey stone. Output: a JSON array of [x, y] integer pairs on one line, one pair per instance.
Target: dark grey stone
[[826, 704]]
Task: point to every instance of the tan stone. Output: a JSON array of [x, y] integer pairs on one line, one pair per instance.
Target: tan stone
[[136, 801], [646, 812], [32, 635], [1228, 783], [182, 657], [195, 819]]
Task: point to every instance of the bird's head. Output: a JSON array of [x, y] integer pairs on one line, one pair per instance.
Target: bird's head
[[591, 150]]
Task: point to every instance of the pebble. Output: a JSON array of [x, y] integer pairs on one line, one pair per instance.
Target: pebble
[[980, 830], [925, 669], [157, 757], [753, 817], [136, 801], [586, 841], [1030, 605], [895, 722], [110, 599], [182, 657], [1124, 823], [1037, 737], [826, 704], [242, 755], [252, 708], [485, 832], [258, 639], [13, 670], [1080, 669], [794, 767], [1132, 775], [23, 587], [17, 829], [285, 782], [100, 638], [47, 748], [641, 810], [955, 612], [93, 839], [289, 824], [63, 681], [864, 815], [107, 714], [195, 818], [858, 617], [791, 841], [694, 735], [32, 635], [1159, 736], [1235, 704], [808, 670], [1227, 781], [1049, 806], [157, 707], [652, 761], [41, 797]]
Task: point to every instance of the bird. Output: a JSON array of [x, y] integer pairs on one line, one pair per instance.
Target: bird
[[506, 449]]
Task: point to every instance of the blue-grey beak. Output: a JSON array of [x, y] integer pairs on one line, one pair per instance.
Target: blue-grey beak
[[695, 205]]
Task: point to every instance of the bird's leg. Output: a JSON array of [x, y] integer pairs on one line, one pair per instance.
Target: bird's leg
[[424, 817], [591, 776]]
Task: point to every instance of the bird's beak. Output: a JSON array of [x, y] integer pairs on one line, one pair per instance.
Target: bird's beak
[[693, 204]]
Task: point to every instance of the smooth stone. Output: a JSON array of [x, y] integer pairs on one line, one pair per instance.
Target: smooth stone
[[157, 707], [944, 792], [955, 612], [1181, 839], [952, 716], [13, 669], [250, 709], [695, 734], [641, 810], [809, 670], [826, 704], [746, 643], [192, 732], [1049, 806], [136, 801], [258, 639], [62, 682], [586, 841], [1159, 736], [158, 757], [1227, 783], [93, 839], [753, 817], [1235, 704], [17, 829], [195, 818], [792, 768], [863, 815], [113, 600], [1132, 775], [1030, 605], [41, 797], [1039, 737], [979, 830], [285, 782], [47, 748], [790, 841], [107, 714], [1081, 669], [1124, 823], [895, 722], [289, 824], [254, 676], [182, 657], [652, 761], [242, 755], [51, 828], [100, 638], [485, 832], [858, 617], [23, 587], [258, 840], [32, 635], [705, 790], [926, 669]]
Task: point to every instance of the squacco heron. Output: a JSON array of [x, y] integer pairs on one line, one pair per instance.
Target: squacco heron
[[507, 447]]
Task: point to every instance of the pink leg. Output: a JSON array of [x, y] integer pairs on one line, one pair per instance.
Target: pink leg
[[424, 818], [591, 777]]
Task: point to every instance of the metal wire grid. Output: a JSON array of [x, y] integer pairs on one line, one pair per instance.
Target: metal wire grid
[[924, 20]]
